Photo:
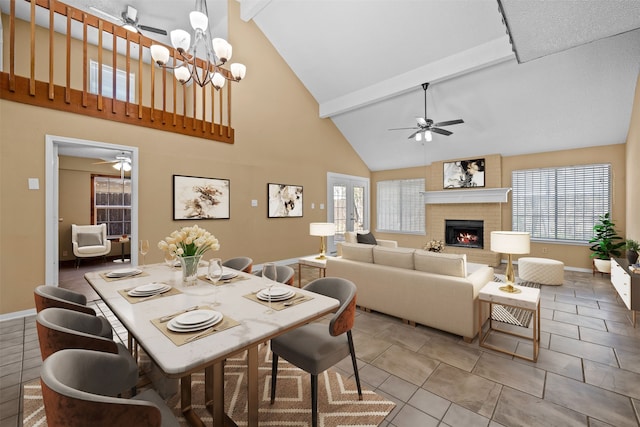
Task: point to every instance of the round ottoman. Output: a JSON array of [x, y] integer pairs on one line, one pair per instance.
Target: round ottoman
[[541, 270]]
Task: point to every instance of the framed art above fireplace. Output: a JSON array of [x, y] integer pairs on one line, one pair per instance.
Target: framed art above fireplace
[[464, 173]]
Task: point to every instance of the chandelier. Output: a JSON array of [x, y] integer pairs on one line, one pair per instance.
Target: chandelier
[[214, 52]]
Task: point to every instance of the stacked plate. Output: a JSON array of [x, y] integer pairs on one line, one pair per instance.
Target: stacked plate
[[228, 273], [278, 293], [149, 290], [123, 272], [194, 321]]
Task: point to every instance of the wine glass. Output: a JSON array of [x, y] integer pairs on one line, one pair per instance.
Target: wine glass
[[269, 272], [170, 259], [214, 273], [144, 249]]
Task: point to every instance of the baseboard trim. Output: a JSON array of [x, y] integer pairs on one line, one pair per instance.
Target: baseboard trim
[[18, 314]]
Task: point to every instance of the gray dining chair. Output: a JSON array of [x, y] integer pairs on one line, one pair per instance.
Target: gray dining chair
[[315, 347], [79, 389], [53, 296], [284, 274], [60, 329], [242, 263]]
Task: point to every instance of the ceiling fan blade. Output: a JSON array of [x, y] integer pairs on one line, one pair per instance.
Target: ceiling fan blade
[[441, 131], [413, 135], [152, 30], [108, 15], [403, 128], [449, 123], [422, 122], [105, 162]]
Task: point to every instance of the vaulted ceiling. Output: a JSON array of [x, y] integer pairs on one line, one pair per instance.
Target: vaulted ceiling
[[571, 84]]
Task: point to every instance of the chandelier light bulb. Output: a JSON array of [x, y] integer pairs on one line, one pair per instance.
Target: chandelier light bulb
[[418, 136], [428, 136], [218, 80], [182, 74], [238, 71], [181, 40], [222, 49], [199, 21], [130, 28], [160, 54]]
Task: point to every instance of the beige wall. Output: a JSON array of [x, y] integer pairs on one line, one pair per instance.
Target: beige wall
[[633, 171], [278, 136]]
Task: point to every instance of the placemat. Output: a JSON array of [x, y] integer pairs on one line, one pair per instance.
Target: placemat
[[238, 278], [298, 298], [181, 338], [113, 279], [135, 300]]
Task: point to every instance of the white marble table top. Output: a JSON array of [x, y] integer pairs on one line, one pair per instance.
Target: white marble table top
[[313, 261], [255, 327], [528, 298]]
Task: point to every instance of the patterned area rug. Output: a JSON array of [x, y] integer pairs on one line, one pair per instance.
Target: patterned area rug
[[338, 403], [513, 315]]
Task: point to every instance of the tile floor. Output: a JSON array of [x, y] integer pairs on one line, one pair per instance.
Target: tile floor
[[587, 374]]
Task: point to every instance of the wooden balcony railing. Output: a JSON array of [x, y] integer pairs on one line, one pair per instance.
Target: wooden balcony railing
[[50, 67]]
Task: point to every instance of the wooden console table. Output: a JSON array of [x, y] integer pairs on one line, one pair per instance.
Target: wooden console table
[[627, 284]]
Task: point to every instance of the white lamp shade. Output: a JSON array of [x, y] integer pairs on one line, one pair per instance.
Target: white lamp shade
[[222, 49], [199, 21], [427, 136], [130, 28], [217, 80], [182, 74], [322, 229], [418, 136], [160, 54], [510, 242], [238, 71], [181, 40]]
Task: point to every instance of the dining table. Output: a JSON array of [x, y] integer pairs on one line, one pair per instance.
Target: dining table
[[246, 323]]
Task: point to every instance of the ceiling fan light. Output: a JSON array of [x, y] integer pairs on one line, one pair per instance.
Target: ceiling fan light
[[238, 71], [218, 80], [181, 40], [427, 136], [199, 21], [418, 137], [130, 28], [182, 74], [160, 54], [222, 49]]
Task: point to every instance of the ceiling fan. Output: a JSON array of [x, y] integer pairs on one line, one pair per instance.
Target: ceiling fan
[[426, 126], [129, 20], [122, 162]]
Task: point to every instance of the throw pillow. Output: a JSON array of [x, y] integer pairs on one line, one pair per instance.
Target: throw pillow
[[367, 239], [89, 239]]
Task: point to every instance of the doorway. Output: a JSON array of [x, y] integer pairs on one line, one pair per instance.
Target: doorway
[[56, 146], [348, 205]]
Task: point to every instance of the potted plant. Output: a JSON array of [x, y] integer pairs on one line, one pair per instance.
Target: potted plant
[[633, 248], [605, 244]]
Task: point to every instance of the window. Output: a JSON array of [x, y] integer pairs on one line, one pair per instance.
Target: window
[[107, 82], [560, 203], [401, 206], [111, 204]]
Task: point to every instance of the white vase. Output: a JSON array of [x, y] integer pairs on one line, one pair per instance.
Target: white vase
[[189, 266], [602, 265]]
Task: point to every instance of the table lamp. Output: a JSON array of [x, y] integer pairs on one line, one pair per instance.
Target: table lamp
[[510, 242], [322, 229]]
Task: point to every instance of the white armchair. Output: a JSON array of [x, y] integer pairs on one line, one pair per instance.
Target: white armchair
[[89, 241]]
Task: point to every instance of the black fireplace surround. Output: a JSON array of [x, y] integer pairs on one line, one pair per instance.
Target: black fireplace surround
[[464, 233]]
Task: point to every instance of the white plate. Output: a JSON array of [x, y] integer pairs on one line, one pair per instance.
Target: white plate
[[276, 291], [195, 317], [176, 327], [150, 287], [124, 272], [228, 274], [134, 293], [265, 296]]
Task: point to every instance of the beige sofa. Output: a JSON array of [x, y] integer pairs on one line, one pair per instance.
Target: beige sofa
[[432, 289]]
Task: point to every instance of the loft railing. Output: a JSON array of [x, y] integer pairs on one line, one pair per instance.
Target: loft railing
[[51, 67]]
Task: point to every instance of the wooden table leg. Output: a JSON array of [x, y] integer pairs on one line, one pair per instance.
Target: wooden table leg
[[252, 386], [299, 273], [185, 403]]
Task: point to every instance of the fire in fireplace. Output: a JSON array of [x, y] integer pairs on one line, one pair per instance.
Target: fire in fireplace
[[464, 233]]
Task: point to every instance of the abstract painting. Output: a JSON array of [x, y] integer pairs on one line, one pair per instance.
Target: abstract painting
[[284, 201], [200, 198], [464, 173]]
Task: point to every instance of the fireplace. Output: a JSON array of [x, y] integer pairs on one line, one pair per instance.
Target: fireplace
[[464, 233]]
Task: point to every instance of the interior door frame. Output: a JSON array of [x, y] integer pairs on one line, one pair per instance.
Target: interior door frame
[[350, 180], [52, 193]]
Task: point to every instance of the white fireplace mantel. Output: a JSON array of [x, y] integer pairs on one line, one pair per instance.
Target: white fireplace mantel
[[467, 195]]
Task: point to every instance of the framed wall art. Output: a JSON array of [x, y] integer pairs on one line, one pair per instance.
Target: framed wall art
[[284, 201], [464, 174], [200, 198]]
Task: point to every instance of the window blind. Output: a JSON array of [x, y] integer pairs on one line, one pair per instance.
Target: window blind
[[400, 206], [560, 203]]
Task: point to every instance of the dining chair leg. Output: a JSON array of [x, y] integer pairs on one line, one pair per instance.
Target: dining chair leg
[[274, 376], [352, 350], [314, 400]]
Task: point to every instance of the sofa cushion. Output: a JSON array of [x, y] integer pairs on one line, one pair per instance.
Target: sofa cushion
[[357, 252], [367, 238], [393, 257], [89, 239], [437, 263]]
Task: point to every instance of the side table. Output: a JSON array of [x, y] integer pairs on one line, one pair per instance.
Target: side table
[[312, 261], [528, 299], [123, 241]]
